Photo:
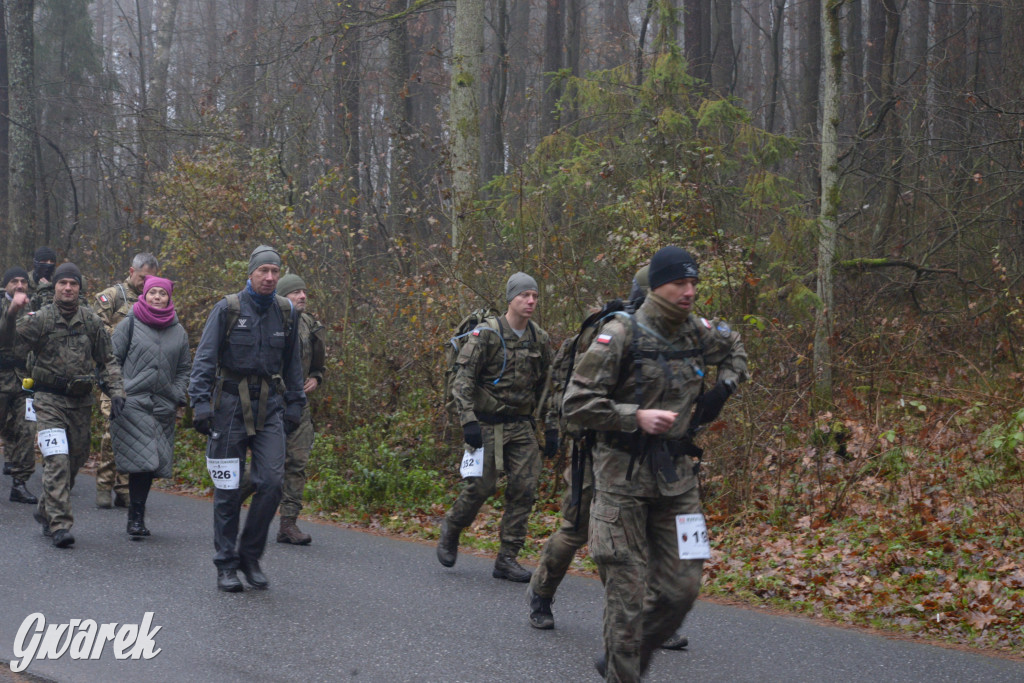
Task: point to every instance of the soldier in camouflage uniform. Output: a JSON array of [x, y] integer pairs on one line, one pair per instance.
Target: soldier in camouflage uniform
[[642, 475], [300, 442], [40, 285], [70, 351], [17, 431], [499, 378], [560, 548], [113, 305]]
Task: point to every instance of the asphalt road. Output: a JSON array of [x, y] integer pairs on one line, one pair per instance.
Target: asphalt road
[[355, 606]]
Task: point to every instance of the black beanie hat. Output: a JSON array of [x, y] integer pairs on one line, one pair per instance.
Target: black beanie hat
[[67, 270], [11, 273], [44, 254], [671, 264]]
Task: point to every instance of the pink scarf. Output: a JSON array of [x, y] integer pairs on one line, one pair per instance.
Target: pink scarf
[[155, 317]]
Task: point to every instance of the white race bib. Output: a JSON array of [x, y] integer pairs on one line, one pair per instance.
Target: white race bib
[[224, 472], [53, 442], [30, 410], [472, 463], [692, 535]]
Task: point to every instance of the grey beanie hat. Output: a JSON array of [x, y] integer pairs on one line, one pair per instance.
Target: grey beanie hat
[[290, 283], [519, 283], [263, 255], [67, 270]]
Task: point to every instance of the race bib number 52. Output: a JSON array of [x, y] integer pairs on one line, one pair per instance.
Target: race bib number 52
[[224, 472], [692, 535], [52, 442], [472, 463]]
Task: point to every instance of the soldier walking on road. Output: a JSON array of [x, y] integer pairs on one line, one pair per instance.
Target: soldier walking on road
[[70, 351], [499, 378], [246, 391], [638, 386], [15, 427], [113, 305]]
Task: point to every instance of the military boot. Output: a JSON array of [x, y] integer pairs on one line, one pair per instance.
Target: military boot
[[289, 532], [41, 518], [120, 499], [104, 498], [540, 611], [676, 641], [506, 567], [448, 544], [137, 521], [20, 494]]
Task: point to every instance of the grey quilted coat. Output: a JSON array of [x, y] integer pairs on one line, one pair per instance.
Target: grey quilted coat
[[155, 369]]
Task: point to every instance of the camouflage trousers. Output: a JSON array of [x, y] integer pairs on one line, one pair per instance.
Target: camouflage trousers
[[522, 464], [54, 411], [18, 434], [297, 448], [648, 589], [561, 546], [107, 475]]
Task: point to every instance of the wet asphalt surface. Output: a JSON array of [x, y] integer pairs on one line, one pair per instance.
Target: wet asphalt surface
[[356, 606]]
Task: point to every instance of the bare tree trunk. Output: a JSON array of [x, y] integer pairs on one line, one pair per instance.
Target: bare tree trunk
[[615, 20], [893, 137], [493, 137], [346, 125], [723, 58], [517, 115], [23, 171], [854, 85], [554, 32], [875, 55], [246, 90], [776, 73], [467, 59], [696, 29], [8, 249], [161, 66], [574, 30], [828, 216], [399, 112]]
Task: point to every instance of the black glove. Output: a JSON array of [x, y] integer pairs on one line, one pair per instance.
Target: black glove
[[550, 443], [291, 423], [709, 405], [473, 435], [202, 420], [116, 406]]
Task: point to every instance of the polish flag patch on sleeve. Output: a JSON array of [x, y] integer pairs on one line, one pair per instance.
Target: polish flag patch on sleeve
[[103, 298], [476, 333], [707, 323], [604, 339]]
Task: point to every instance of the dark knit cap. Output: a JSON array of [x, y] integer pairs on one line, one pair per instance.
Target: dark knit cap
[[11, 273], [671, 264], [263, 255], [67, 270], [290, 283], [44, 254]]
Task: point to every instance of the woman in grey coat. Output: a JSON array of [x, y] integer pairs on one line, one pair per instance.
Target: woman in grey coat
[[152, 347]]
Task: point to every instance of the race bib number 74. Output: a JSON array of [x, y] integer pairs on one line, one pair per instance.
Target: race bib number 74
[[224, 472], [692, 535], [52, 442]]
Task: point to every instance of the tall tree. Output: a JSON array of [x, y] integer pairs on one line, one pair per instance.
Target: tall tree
[[554, 36], [22, 166], [723, 57], [828, 223], [467, 70], [4, 128]]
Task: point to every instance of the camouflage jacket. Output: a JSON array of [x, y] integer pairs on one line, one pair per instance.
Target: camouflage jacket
[[314, 354], [76, 350], [518, 388], [602, 394], [12, 368], [40, 293], [114, 304]]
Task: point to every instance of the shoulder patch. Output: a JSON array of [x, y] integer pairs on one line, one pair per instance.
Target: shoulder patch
[[476, 333], [723, 329], [604, 339], [707, 323], [31, 313], [103, 298]]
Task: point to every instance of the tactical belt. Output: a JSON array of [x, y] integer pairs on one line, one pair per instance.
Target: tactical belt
[[673, 448], [495, 419], [66, 386], [11, 363]]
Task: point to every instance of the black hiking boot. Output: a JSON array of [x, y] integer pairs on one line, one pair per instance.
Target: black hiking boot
[[253, 574], [676, 641], [540, 611], [137, 521], [62, 538], [227, 581], [21, 494], [506, 567], [448, 544]]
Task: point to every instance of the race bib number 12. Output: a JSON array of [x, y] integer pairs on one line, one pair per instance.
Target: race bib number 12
[[472, 463], [224, 472], [52, 442], [692, 535]]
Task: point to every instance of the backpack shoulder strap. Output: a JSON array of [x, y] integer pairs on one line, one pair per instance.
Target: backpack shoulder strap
[[234, 310], [127, 347]]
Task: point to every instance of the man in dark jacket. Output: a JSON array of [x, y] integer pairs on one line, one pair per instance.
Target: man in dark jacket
[[246, 391]]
